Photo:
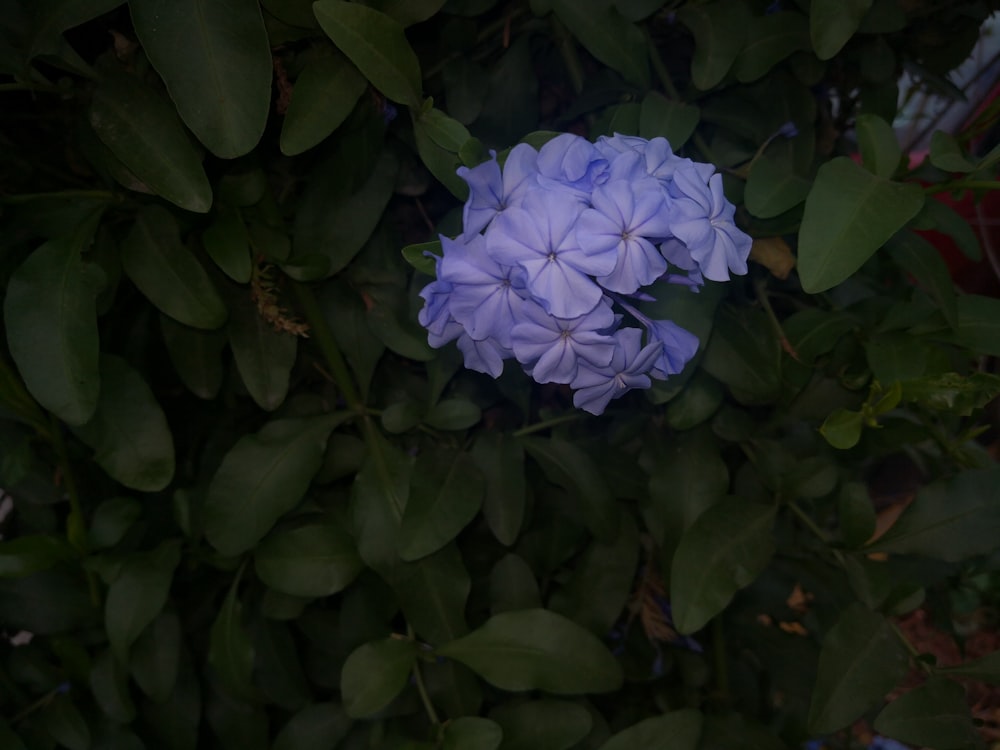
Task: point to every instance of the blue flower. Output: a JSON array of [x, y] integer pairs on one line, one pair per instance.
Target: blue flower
[[435, 315], [597, 386], [491, 191], [484, 356], [573, 164], [679, 346], [552, 347]]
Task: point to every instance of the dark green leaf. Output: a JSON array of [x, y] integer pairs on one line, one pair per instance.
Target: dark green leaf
[[699, 400], [49, 601], [501, 459], [156, 656], [264, 357], [952, 392], [535, 649], [472, 733], [720, 30], [978, 325], [109, 685], [325, 93], [378, 500], [24, 555], [278, 672], [896, 356], [453, 414], [137, 595], [833, 22], [542, 724], [129, 433], [849, 214], [725, 549], [376, 44], [441, 160], [567, 465], [230, 650], [465, 86], [880, 150], [857, 514], [374, 674], [65, 723], [945, 219], [446, 492], [770, 39], [143, 132], [513, 585], [237, 725], [947, 155], [676, 730], [263, 477], [672, 120], [416, 256], [773, 187], [609, 37], [11, 741], [986, 669], [950, 519], [318, 726], [168, 273], [745, 354], [935, 714], [51, 322], [432, 593], [860, 662], [216, 62], [228, 244], [916, 256], [315, 559], [196, 356]]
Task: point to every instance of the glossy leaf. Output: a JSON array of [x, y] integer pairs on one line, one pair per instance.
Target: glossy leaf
[[318, 726], [849, 214], [375, 43], [374, 674], [168, 273], [129, 433], [935, 714], [196, 356], [537, 724], [263, 477], [144, 133], [720, 29], [676, 730], [230, 650], [880, 149], [264, 357], [325, 93], [535, 649], [662, 117], [137, 595], [725, 549], [773, 187], [770, 39], [51, 323], [216, 62], [860, 662], [833, 22], [501, 459], [227, 243], [317, 558], [378, 501], [609, 37], [472, 733], [432, 592]]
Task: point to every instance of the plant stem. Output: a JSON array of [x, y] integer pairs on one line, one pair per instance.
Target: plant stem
[[760, 289], [546, 424], [944, 187], [418, 679], [815, 529], [910, 648]]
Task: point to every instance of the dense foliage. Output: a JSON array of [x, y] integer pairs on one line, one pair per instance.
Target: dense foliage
[[249, 507]]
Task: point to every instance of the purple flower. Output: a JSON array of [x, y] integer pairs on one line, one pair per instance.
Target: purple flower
[[539, 237], [573, 164], [702, 219], [679, 346], [484, 356], [597, 386], [552, 346], [435, 315], [491, 191], [624, 216]]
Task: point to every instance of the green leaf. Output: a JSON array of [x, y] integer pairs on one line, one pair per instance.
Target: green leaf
[[725, 549], [472, 733], [896, 356], [156, 656], [946, 154], [63, 721], [465, 87], [24, 555], [744, 354], [439, 140], [945, 219], [501, 460], [318, 726], [230, 650], [661, 117], [935, 714], [608, 36], [985, 669], [567, 465], [11, 741], [216, 62], [264, 357], [51, 322], [842, 429], [168, 273], [949, 520], [317, 558], [263, 477], [453, 414], [535, 649], [196, 356], [978, 326], [446, 492], [880, 150], [109, 685], [861, 660], [144, 133], [857, 514], [720, 30], [416, 256], [49, 601], [376, 44], [378, 500], [227, 243], [542, 724], [325, 93], [676, 730], [953, 393], [833, 22], [129, 432], [374, 674], [773, 187], [770, 39], [916, 256], [849, 214], [432, 593], [513, 585], [700, 399], [137, 595]]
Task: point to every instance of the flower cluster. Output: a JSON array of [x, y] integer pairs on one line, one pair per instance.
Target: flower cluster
[[558, 244]]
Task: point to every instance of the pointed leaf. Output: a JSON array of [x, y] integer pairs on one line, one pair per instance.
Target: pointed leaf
[[216, 62], [661, 117], [315, 559], [432, 593], [725, 549], [263, 477], [935, 714], [770, 39], [833, 22], [226, 241], [264, 357], [318, 726], [545, 724], [378, 502], [946, 154], [168, 273], [985, 669], [51, 322], [63, 721], [860, 662], [376, 44], [677, 730], [196, 356], [472, 733], [374, 674], [156, 656], [880, 149], [230, 650], [129, 432], [773, 187], [535, 649], [849, 214], [501, 459], [720, 30]]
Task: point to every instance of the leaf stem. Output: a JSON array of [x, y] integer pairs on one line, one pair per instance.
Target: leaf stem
[[815, 529], [910, 648], [546, 424], [418, 679], [944, 187], [760, 289]]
